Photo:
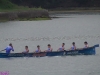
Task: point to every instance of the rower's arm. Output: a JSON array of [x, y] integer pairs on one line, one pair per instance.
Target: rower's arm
[[12, 49], [2, 50], [75, 48], [63, 48], [27, 51], [51, 49], [5, 48]]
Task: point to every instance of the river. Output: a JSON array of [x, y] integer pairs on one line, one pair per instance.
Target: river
[[66, 29]]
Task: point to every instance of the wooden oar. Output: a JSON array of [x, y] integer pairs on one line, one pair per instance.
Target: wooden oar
[[2, 50]]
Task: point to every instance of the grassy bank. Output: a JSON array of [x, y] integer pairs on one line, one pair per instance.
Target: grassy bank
[[74, 10], [10, 11], [26, 19], [32, 19], [20, 8], [7, 6], [25, 15]]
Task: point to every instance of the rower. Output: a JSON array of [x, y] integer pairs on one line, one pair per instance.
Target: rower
[[49, 48], [26, 50], [86, 44], [9, 48], [62, 48], [38, 49], [73, 47]]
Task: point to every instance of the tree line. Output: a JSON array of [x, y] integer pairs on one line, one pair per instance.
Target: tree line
[[51, 4]]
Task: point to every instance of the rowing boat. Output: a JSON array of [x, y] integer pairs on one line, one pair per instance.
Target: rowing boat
[[81, 51]]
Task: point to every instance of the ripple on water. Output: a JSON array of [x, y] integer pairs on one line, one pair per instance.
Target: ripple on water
[[52, 38]]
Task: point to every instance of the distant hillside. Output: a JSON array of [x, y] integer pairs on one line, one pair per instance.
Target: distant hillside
[[6, 4], [51, 4], [11, 11]]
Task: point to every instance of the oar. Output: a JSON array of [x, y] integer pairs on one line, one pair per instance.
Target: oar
[[2, 50]]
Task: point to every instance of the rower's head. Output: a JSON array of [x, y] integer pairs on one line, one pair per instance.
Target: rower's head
[[63, 44], [73, 43], [49, 45], [26, 47], [10, 44], [85, 43], [38, 46]]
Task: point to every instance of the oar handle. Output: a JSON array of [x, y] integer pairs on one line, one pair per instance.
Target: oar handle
[[2, 50]]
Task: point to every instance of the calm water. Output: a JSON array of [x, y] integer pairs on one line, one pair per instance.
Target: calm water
[[68, 28]]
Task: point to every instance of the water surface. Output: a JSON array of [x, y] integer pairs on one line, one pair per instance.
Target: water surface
[[68, 28]]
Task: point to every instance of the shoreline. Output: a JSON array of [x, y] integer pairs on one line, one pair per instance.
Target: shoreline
[[28, 15], [72, 11], [35, 15]]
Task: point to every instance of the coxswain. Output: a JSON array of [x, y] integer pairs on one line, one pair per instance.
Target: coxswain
[[38, 49], [9, 48], [49, 48], [62, 48], [86, 44], [26, 50], [73, 46]]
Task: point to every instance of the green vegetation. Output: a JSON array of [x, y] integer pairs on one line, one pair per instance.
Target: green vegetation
[[20, 5], [3, 20], [33, 9], [41, 19], [47, 4], [52, 4], [10, 11], [25, 19], [6, 4], [20, 8], [32, 19]]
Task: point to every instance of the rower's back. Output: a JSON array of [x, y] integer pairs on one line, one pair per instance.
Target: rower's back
[[26, 50], [73, 46], [9, 48], [86, 44]]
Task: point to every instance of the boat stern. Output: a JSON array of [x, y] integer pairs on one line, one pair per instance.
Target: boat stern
[[97, 45]]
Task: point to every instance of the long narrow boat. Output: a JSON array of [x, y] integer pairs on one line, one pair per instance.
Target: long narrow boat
[[81, 51]]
